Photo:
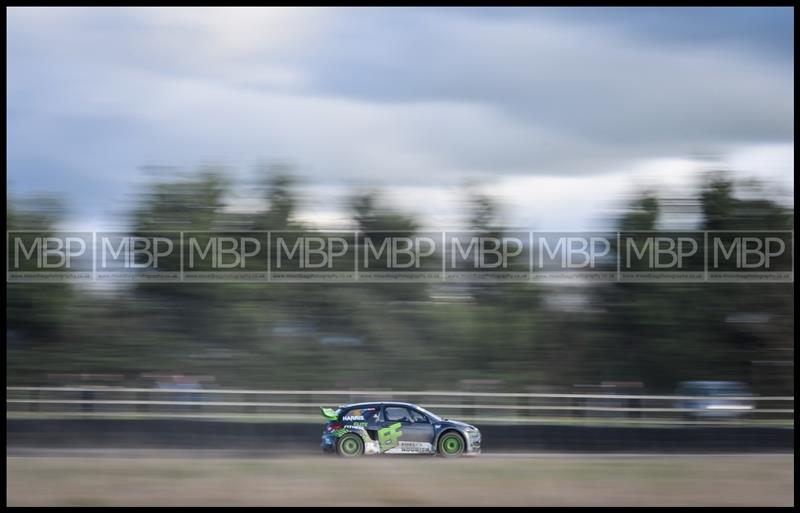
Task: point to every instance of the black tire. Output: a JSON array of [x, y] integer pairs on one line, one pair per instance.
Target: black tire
[[451, 445], [350, 445]]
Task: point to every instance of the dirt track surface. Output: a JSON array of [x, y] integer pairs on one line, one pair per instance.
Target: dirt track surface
[[697, 480]]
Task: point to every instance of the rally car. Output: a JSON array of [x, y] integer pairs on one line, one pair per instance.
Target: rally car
[[395, 428]]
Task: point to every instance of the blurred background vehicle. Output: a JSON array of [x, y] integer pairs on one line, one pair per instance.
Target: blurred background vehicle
[[714, 399]]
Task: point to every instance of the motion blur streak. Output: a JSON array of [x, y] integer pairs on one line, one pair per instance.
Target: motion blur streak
[[513, 337]]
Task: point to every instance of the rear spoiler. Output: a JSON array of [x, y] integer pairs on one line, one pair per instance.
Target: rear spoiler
[[329, 413]]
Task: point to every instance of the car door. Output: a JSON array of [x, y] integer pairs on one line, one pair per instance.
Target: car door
[[405, 430], [421, 427]]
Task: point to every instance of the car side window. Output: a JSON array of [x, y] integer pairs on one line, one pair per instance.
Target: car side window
[[418, 418], [396, 414], [360, 414]]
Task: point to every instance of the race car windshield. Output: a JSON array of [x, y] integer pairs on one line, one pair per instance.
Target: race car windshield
[[429, 414]]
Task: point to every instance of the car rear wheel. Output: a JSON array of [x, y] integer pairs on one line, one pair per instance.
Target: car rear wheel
[[350, 446], [451, 445]]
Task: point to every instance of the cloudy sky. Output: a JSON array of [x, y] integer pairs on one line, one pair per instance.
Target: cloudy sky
[[559, 113]]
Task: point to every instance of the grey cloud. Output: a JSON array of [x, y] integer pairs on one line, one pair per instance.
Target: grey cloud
[[594, 83], [367, 96]]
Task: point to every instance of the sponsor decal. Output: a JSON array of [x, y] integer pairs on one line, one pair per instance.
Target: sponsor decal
[[388, 437], [415, 447], [355, 415], [411, 448], [357, 427]]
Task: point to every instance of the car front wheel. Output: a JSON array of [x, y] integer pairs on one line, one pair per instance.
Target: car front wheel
[[451, 445]]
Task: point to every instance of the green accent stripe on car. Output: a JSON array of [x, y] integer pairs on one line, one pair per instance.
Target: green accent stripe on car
[[328, 413]]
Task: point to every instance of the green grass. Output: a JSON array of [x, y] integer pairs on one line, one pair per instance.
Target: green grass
[[721, 480]]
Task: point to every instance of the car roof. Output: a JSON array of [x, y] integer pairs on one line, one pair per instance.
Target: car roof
[[379, 403]]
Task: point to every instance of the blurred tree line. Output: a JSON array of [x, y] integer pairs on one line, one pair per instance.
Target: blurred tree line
[[370, 335]]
